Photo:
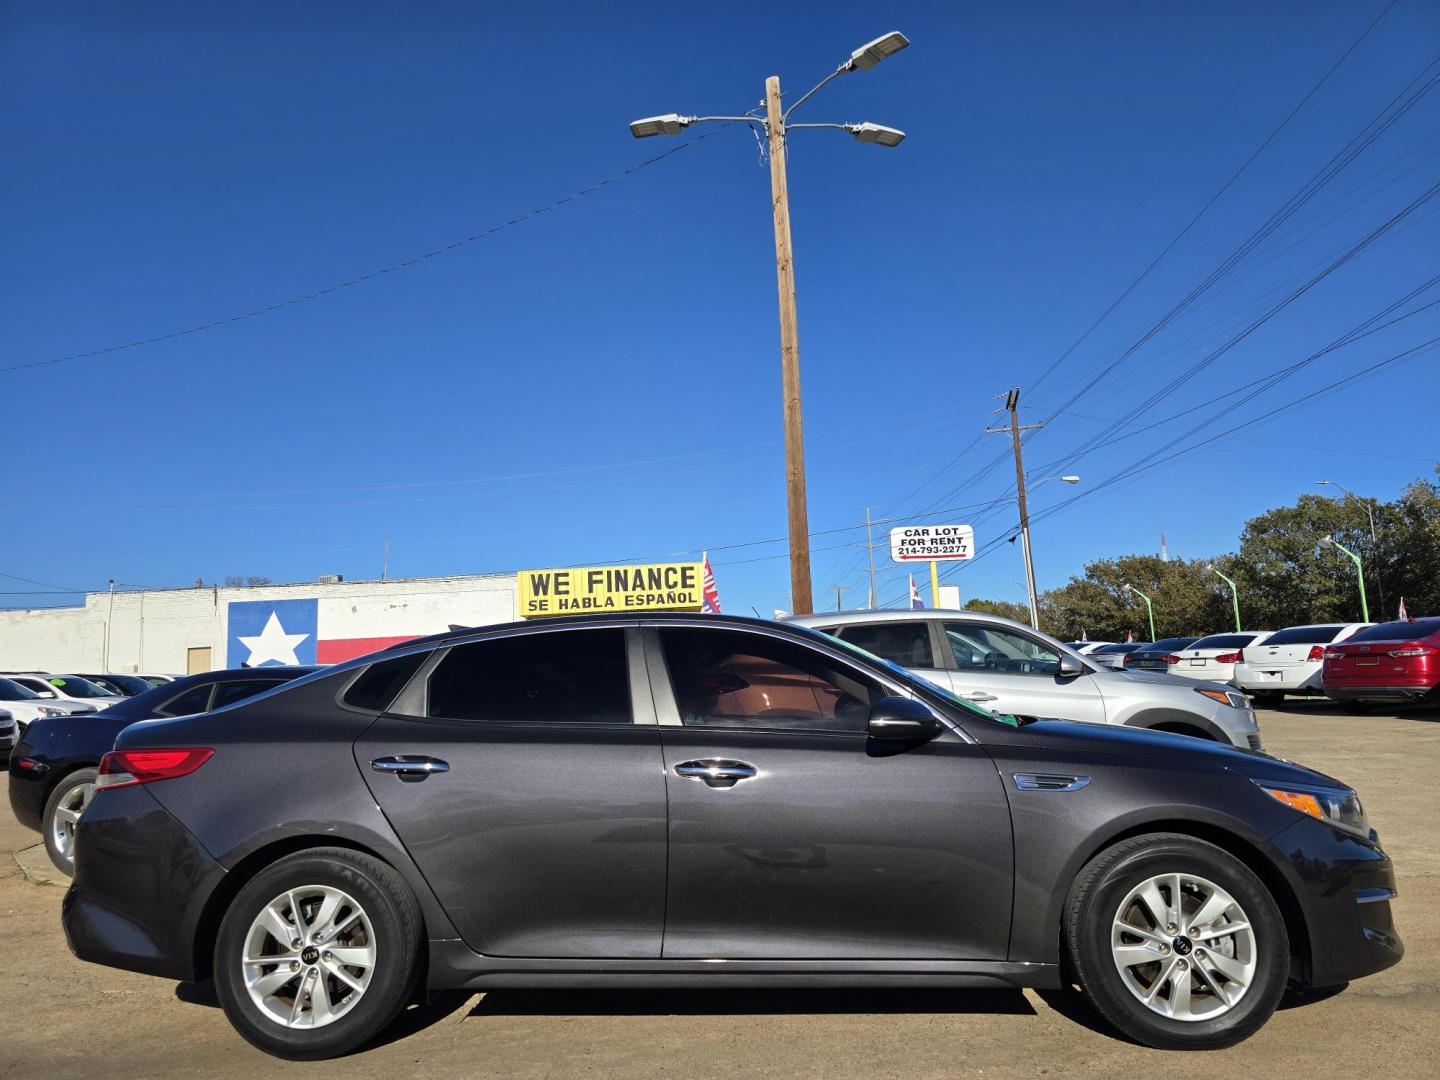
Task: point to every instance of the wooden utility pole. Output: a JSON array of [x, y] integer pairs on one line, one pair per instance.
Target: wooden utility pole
[[801, 601], [870, 551], [838, 590], [1012, 405]]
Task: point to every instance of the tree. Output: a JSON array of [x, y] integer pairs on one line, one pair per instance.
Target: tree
[[237, 581], [1004, 608], [1097, 605]]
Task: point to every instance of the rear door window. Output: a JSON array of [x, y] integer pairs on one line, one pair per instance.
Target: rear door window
[[559, 677], [904, 643]]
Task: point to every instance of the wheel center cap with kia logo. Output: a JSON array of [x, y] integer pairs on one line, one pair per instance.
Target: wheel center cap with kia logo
[[1183, 945], [312, 954]]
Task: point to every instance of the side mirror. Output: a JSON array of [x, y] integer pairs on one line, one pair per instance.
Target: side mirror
[[902, 718], [1070, 667]]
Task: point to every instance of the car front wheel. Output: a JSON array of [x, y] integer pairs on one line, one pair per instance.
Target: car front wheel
[[318, 953], [62, 811], [1178, 944]]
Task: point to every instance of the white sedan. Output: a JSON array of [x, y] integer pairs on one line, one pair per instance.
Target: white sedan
[[26, 706], [66, 689], [1085, 648], [1214, 657], [1289, 661]]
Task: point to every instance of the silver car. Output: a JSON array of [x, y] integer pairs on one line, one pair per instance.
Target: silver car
[[1009, 667]]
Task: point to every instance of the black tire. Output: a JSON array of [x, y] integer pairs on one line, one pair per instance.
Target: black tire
[[1356, 708], [63, 794], [394, 916], [1094, 904], [1268, 699]]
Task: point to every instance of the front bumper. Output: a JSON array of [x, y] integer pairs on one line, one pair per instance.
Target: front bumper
[[141, 884], [1346, 886]]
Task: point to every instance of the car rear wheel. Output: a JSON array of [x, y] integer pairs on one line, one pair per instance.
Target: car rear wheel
[[1178, 944], [1268, 698], [62, 811], [318, 953]]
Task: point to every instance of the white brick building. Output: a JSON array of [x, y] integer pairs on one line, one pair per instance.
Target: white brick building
[[200, 629]]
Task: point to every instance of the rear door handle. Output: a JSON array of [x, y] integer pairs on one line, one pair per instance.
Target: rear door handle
[[717, 772], [979, 695], [410, 767]]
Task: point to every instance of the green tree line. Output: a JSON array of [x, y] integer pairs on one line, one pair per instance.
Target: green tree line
[[1285, 577]]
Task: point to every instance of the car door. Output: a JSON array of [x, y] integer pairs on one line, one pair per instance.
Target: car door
[[540, 822], [794, 836], [1009, 671]]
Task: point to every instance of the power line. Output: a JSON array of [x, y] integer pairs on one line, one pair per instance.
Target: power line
[[372, 275]]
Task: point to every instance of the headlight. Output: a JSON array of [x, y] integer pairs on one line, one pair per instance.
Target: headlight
[[1233, 698], [46, 710], [1340, 808]]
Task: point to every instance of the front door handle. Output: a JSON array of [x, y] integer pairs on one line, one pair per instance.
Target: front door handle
[[410, 768], [979, 695], [717, 772]]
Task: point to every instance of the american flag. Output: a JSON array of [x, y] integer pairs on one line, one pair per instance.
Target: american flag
[[710, 596]]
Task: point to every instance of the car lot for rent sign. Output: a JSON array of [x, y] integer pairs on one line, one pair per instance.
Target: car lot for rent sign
[[932, 543], [651, 587]]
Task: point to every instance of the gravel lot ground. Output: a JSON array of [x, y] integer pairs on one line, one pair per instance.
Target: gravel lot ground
[[59, 1017]]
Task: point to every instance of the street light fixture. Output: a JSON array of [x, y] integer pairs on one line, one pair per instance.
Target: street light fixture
[[1330, 541], [1374, 538], [776, 127], [1149, 607], [1234, 591]]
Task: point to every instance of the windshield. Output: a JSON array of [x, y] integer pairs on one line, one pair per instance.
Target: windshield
[[909, 676], [74, 687], [13, 691]]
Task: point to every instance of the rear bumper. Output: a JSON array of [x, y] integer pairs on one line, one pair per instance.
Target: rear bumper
[[28, 791], [1346, 888], [1380, 693], [141, 883], [1256, 678]]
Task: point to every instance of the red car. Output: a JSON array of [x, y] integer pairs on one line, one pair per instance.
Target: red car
[[1395, 662]]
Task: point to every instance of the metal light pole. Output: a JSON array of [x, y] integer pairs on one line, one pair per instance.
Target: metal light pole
[[1234, 592], [1374, 536], [1149, 607], [1330, 541], [776, 125]]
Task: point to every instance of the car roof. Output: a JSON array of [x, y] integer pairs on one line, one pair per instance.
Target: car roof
[[561, 622], [829, 618]]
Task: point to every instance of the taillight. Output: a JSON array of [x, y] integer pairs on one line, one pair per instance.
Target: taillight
[[1171, 659], [1412, 649], [1317, 652], [123, 768], [1229, 658]]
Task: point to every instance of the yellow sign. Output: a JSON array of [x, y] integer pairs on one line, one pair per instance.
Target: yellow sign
[[656, 587]]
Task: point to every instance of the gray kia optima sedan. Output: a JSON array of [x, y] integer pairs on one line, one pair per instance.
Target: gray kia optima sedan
[[702, 801]]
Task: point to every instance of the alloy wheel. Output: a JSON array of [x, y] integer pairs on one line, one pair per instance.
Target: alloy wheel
[[67, 813], [309, 956], [1184, 947]]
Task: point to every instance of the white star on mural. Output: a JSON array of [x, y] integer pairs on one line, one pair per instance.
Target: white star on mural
[[272, 643]]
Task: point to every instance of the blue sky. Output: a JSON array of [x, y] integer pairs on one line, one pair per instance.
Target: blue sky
[[602, 382]]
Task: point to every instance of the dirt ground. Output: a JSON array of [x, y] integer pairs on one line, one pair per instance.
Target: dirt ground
[[60, 1017]]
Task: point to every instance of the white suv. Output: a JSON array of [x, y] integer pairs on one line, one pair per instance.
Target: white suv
[[65, 689], [1008, 667], [26, 706]]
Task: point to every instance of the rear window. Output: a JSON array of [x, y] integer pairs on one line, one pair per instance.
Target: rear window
[[228, 693], [1305, 635], [382, 681], [195, 700], [1399, 631], [1173, 643], [1224, 641]]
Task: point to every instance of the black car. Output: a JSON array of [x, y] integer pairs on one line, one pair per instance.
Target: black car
[[52, 770], [1152, 656], [703, 801], [122, 685]]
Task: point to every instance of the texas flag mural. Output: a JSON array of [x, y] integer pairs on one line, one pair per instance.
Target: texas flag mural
[[266, 633]]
